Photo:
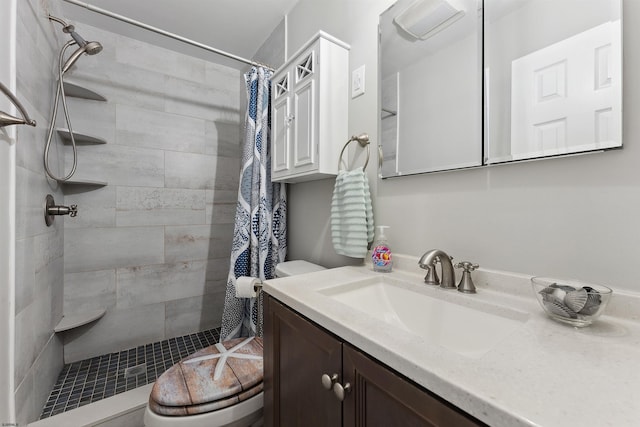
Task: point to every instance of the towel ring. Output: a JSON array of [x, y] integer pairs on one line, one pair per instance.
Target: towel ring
[[363, 140]]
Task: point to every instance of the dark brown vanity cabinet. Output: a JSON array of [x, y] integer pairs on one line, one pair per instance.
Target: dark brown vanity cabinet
[[297, 353]]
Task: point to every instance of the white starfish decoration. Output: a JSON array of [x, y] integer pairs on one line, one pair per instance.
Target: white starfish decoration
[[224, 355]]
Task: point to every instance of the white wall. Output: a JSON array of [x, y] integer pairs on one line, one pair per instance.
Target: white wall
[[7, 214], [574, 216], [356, 23]]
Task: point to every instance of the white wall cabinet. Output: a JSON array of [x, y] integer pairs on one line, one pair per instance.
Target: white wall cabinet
[[309, 120]]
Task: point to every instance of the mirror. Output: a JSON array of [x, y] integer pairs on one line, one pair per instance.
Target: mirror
[[551, 76], [431, 91]]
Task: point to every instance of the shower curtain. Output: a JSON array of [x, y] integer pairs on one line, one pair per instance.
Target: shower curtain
[[260, 237]]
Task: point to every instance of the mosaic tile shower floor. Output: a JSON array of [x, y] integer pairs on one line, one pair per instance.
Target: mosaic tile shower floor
[[90, 380]]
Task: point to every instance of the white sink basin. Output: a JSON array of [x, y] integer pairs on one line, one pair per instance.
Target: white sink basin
[[470, 330]]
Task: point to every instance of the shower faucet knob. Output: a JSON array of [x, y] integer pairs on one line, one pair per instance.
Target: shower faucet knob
[[51, 210]]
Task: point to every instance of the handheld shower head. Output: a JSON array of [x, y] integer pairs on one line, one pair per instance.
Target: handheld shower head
[[90, 48]]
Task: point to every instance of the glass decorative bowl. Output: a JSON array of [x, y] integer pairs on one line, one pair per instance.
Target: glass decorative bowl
[[573, 302]]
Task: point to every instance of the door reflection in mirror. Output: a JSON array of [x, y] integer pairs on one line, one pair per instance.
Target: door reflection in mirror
[[553, 77]]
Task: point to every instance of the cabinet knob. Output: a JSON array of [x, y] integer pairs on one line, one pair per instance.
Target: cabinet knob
[[328, 381], [340, 391]]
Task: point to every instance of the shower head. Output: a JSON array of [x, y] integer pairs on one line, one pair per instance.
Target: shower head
[[90, 48]]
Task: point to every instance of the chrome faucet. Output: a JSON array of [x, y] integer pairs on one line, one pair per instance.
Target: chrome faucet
[[428, 262]]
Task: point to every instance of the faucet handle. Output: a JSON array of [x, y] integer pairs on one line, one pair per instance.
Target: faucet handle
[[466, 283], [467, 266]]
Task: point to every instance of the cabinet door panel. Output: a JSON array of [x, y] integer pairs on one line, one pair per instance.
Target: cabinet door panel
[[304, 133], [296, 355], [280, 132], [382, 398]]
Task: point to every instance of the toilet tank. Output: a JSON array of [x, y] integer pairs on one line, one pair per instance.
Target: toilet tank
[[292, 268]]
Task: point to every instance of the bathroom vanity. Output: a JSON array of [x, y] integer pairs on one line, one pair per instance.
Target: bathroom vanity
[[314, 378], [394, 348]]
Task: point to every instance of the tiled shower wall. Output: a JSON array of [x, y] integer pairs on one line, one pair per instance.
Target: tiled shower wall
[[39, 249], [152, 246]]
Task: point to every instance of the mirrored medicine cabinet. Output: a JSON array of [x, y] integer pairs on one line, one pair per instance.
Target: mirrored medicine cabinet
[[467, 83]]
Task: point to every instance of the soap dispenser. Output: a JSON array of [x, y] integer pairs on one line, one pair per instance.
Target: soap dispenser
[[381, 255]]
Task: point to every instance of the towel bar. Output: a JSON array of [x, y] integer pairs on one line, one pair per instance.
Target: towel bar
[[363, 140], [8, 119]]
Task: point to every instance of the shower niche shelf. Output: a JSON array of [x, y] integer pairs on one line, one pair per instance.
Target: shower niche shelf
[[81, 138], [79, 319], [78, 91]]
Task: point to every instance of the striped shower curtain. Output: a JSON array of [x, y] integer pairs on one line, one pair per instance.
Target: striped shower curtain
[[260, 237]]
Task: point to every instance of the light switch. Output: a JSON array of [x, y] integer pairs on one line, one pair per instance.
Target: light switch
[[357, 82]]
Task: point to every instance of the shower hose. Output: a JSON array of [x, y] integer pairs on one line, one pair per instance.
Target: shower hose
[[60, 91]]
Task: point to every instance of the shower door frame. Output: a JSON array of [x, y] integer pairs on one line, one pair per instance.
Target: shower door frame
[[8, 138]]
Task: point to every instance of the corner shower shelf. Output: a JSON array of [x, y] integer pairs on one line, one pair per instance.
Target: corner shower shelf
[[78, 91], [81, 138], [86, 182], [79, 319]]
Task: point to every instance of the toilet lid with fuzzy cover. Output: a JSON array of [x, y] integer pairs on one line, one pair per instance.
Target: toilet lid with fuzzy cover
[[213, 378]]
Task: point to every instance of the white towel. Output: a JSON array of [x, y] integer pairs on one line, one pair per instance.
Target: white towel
[[351, 214]]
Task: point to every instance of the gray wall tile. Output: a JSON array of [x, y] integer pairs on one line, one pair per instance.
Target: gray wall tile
[[221, 213], [218, 268], [33, 390], [25, 401], [119, 165], [223, 139], [147, 199], [154, 58], [93, 118], [46, 370], [128, 85], [96, 208], [184, 243], [188, 170], [194, 314], [139, 127], [219, 103], [160, 206], [221, 196], [117, 330], [89, 249], [31, 189], [25, 274], [160, 217], [151, 284], [89, 290], [217, 75], [25, 350]]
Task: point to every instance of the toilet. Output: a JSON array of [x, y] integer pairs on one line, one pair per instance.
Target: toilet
[[220, 385]]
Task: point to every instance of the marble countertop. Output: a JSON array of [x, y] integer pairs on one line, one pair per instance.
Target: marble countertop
[[543, 374]]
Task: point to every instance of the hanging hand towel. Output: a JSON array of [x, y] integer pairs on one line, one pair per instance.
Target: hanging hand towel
[[351, 214]]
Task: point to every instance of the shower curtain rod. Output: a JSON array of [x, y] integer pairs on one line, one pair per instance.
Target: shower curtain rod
[[166, 33]]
